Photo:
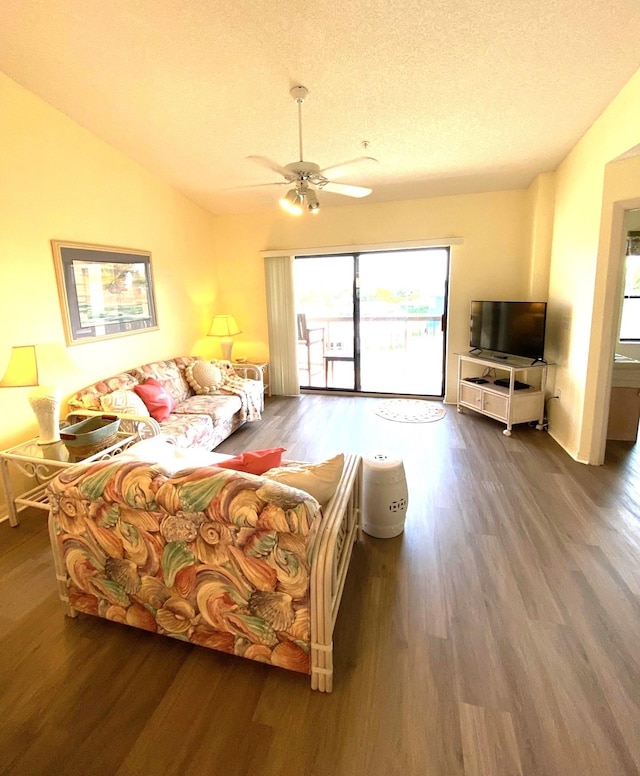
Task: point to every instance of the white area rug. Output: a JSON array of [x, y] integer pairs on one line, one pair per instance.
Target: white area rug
[[410, 410]]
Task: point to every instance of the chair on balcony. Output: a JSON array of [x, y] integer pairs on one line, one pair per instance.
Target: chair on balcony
[[310, 348]]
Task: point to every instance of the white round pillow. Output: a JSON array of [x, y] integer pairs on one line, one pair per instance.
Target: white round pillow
[[204, 377]]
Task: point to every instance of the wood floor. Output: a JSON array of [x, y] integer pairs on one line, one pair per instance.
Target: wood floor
[[500, 634]]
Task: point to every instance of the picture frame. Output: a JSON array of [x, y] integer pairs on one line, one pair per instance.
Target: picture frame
[[104, 292]]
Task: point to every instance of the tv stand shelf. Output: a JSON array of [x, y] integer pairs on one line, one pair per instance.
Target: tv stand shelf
[[504, 403]]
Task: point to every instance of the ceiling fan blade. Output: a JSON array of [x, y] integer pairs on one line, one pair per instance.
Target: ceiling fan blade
[[271, 165], [336, 169], [256, 186], [346, 189]]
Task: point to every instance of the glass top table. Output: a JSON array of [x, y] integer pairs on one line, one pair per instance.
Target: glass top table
[[41, 463]]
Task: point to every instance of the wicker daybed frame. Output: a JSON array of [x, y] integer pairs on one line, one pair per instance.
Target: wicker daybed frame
[[329, 566], [328, 557]]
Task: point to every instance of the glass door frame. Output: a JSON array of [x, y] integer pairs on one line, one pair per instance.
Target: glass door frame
[[355, 256]]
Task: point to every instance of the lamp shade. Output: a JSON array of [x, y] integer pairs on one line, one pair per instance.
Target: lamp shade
[[313, 206], [292, 202], [224, 326], [22, 370]]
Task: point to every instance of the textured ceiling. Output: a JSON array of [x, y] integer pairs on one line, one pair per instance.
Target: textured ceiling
[[453, 96]]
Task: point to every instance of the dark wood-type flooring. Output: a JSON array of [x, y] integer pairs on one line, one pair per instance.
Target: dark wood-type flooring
[[500, 634]]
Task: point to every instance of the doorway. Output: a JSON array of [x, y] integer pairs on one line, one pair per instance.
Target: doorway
[[621, 195], [624, 406], [373, 322]]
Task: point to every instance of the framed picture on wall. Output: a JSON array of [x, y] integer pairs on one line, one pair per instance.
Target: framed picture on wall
[[104, 292]]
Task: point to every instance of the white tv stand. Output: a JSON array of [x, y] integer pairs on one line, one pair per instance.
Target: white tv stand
[[503, 403]]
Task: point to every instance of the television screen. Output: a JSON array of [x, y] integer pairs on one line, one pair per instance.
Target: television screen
[[514, 328]]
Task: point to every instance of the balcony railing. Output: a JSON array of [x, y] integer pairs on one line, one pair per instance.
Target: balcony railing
[[398, 354]]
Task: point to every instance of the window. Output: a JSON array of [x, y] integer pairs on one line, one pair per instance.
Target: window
[[630, 323]]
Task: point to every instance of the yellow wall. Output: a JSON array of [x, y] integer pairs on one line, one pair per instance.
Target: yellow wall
[[58, 181], [492, 261], [576, 310], [540, 211]]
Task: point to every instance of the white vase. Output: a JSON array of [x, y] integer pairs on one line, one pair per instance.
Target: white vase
[[45, 403]]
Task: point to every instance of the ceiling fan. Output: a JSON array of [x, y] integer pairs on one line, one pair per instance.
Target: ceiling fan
[[306, 177]]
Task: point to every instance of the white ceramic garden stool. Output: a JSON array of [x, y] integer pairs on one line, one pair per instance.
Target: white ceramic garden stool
[[385, 495]]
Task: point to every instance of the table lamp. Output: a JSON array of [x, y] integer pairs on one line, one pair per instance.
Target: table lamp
[[23, 372], [225, 327]]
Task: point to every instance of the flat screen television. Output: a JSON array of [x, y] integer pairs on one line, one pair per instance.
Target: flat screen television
[[511, 328]]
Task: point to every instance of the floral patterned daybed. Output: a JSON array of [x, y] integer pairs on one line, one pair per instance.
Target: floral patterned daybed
[[209, 400], [227, 560]]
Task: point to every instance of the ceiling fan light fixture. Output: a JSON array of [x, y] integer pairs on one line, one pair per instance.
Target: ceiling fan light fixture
[[292, 202], [312, 201]]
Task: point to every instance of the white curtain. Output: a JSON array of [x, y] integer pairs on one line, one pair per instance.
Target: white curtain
[[281, 317]]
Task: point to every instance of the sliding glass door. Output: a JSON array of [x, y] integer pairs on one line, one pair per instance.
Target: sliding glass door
[[380, 317], [324, 292], [402, 309]]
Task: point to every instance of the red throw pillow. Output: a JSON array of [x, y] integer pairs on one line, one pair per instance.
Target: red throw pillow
[[254, 461], [156, 398]]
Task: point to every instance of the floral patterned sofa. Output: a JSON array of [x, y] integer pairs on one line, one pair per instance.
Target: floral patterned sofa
[[211, 556], [197, 420]]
